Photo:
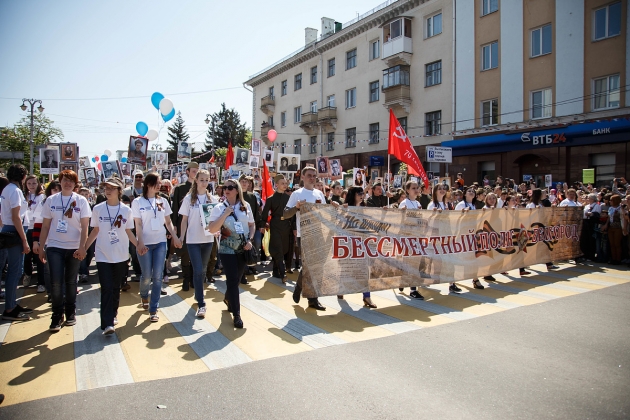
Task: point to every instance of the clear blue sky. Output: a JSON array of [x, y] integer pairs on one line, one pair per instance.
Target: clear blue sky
[[67, 49]]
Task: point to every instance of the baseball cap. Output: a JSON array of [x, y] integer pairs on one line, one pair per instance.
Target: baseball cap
[[114, 182], [137, 172], [192, 165]]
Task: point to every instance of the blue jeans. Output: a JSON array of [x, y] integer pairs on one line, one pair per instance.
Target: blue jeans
[[199, 256], [85, 264], [16, 268], [64, 269], [152, 264], [111, 276]]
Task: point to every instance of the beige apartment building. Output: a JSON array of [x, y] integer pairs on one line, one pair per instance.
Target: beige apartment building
[[519, 88]]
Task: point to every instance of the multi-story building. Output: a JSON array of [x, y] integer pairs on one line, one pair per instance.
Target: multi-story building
[[516, 87]]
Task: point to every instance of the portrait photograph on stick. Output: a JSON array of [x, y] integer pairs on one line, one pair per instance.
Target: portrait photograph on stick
[[137, 150], [254, 161], [241, 156], [49, 161], [68, 152], [323, 169], [335, 169], [89, 174], [288, 162], [184, 151], [255, 147], [110, 167], [161, 160]]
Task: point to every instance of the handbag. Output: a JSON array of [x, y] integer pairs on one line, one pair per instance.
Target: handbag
[[251, 255], [9, 240]]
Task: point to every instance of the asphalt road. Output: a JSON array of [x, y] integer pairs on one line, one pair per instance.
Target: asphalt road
[[567, 358]]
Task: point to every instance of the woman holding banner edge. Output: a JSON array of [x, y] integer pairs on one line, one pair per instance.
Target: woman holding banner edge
[[411, 190]]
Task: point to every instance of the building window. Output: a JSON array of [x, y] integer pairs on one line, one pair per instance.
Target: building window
[[397, 28], [433, 74], [351, 59], [541, 41], [490, 112], [298, 82], [433, 123], [351, 98], [374, 133], [283, 119], [297, 114], [283, 147], [270, 121], [313, 148], [541, 104], [607, 21], [330, 141], [351, 137], [374, 95], [314, 106], [331, 101], [434, 25], [393, 76], [375, 49], [331, 67], [403, 123], [490, 56], [606, 92], [604, 165], [489, 6], [271, 92], [297, 146], [313, 75], [283, 87]]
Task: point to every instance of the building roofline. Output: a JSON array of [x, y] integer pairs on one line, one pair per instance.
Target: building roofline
[[374, 18]]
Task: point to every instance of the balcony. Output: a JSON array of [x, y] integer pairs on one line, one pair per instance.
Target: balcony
[[327, 117], [397, 45], [264, 130], [309, 122], [268, 105], [397, 95]]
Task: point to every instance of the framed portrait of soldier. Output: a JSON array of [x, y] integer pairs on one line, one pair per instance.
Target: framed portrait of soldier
[[89, 174], [254, 161], [161, 160], [212, 170], [241, 156], [255, 147], [68, 152], [335, 169], [347, 180], [49, 161], [69, 167], [84, 162], [203, 165], [323, 168], [358, 176], [109, 168], [125, 169], [137, 152], [184, 151], [288, 162], [166, 174], [374, 173]]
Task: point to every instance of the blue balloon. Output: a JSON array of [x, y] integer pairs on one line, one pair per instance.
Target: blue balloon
[[142, 128], [169, 117], [104, 158], [155, 100], [123, 160], [93, 160]]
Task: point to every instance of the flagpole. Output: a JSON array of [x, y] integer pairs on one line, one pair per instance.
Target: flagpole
[[388, 174]]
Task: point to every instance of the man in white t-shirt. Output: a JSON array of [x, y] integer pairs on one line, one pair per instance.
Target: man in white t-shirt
[[571, 200], [307, 194]]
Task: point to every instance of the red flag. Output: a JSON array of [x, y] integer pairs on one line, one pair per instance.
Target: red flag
[[267, 186], [400, 146], [211, 159], [229, 157]]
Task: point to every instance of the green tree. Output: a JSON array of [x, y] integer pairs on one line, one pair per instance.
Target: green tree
[[16, 138], [225, 125], [176, 133]]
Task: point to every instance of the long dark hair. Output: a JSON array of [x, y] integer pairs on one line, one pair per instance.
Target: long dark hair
[[151, 180], [536, 196], [52, 184], [351, 196]]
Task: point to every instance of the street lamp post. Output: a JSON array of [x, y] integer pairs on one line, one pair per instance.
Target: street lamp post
[[40, 108]]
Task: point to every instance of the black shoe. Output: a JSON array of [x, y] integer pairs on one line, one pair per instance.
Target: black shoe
[[48, 299], [340, 297], [276, 275], [289, 271], [185, 287], [244, 281], [296, 293], [15, 315], [238, 322], [489, 278], [125, 287], [454, 289], [477, 285], [524, 273], [24, 310], [401, 289], [252, 270], [227, 303], [71, 320], [192, 285], [416, 295], [55, 325], [163, 292], [552, 267], [316, 305]]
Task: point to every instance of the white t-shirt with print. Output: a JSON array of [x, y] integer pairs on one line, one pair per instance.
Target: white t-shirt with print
[[568, 203], [311, 196], [440, 205], [13, 197], [116, 219], [245, 217], [33, 205], [463, 205], [54, 209], [410, 204], [147, 209], [533, 206], [195, 233]]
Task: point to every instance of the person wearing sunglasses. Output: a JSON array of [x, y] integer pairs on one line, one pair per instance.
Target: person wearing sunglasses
[[235, 220]]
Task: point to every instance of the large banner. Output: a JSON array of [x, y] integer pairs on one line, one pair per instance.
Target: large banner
[[359, 249]]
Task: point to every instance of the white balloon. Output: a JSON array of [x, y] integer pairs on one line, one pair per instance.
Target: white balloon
[[107, 152], [152, 135], [166, 106]]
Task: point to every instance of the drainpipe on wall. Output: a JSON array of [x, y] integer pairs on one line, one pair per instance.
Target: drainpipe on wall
[[454, 79], [253, 110], [321, 100]]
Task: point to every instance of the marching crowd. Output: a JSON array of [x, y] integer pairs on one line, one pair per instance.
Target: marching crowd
[[57, 229]]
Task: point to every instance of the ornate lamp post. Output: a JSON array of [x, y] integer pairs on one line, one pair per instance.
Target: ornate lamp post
[[40, 108]]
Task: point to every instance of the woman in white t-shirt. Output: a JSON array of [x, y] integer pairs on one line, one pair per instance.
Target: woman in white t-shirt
[[34, 195], [15, 221], [235, 219], [112, 225], [66, 216], [151, 213], [199, 241], [536, 202], [571, 200], [412, 190], [466, 205]]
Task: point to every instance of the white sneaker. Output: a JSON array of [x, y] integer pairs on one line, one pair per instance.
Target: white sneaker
[[26, 280], [108, 331], [201, 312], [41, 288], [165, 280], [115, 321]]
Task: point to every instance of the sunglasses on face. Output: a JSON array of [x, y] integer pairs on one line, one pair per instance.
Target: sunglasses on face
[[138, 177], [230, 187]]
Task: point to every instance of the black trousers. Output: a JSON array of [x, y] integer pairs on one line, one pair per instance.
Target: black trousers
[[234, 268], [111, 276]]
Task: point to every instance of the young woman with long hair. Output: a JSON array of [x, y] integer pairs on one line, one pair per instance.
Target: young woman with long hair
[[468, 204], [235, 219], [66, 216], [412, 191], [53, 188], [34, 195], [151, 213], [199, 241]]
